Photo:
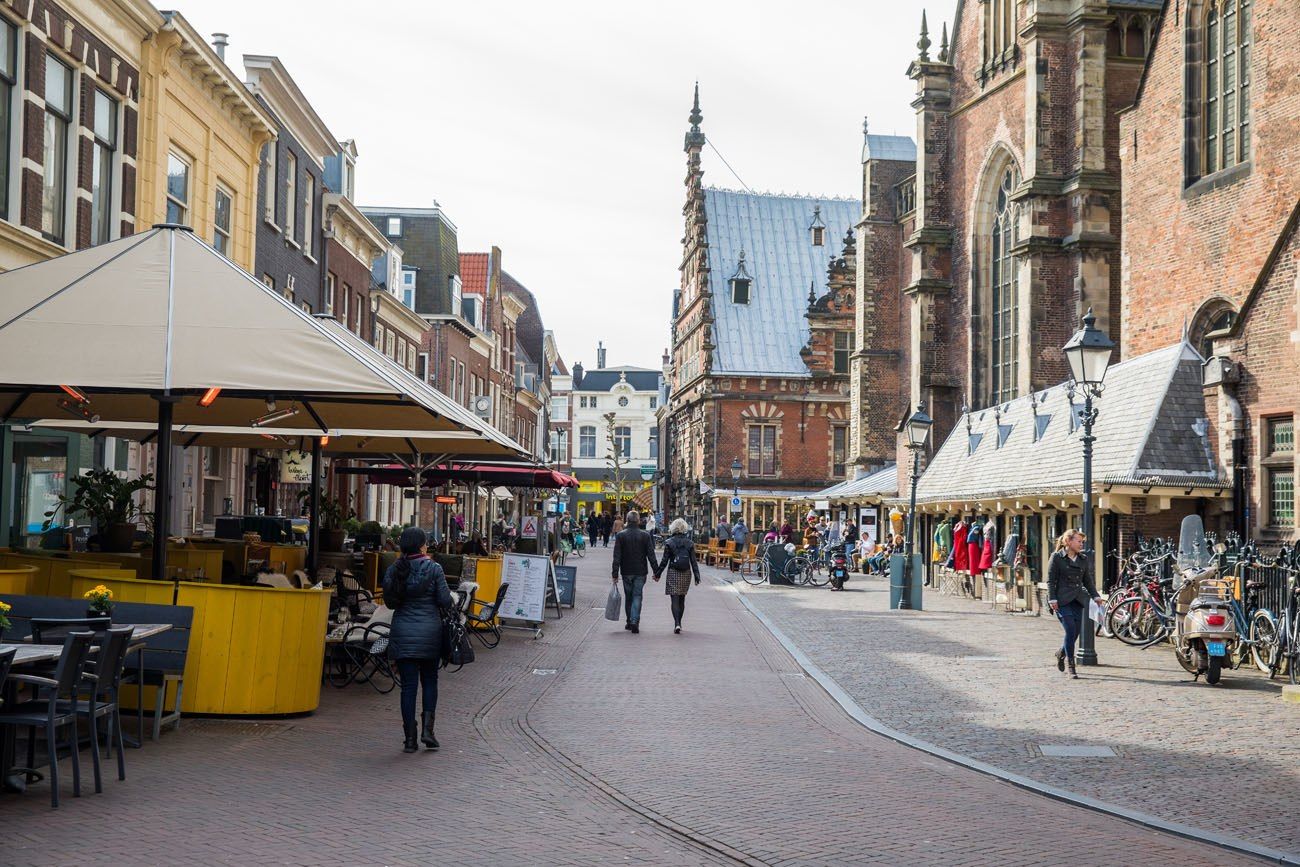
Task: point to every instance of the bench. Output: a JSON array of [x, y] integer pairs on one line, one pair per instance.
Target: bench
[[157, 661]]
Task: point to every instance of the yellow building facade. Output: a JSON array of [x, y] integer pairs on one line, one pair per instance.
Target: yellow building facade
[[201, 136]]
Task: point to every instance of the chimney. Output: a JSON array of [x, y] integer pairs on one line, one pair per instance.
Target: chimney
[[219, 42], [600, 355], [577, 375]]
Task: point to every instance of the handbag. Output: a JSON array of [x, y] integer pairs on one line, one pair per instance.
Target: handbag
[[613, 604], [456, 648]]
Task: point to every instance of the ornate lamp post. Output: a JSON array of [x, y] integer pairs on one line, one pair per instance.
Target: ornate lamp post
[[1088, 353], [918, 431], [736, 470]]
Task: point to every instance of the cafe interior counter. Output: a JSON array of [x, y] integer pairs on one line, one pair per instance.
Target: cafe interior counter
[[253, 650]]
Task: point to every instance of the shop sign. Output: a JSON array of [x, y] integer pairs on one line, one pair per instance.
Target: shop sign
[[295, 467], [595, 487], [445, 500]]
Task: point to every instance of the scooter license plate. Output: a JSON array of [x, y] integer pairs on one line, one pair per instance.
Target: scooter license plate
[[1216, 648]]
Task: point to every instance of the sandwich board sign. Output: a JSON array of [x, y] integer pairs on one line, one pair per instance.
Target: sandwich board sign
[[528, 576]]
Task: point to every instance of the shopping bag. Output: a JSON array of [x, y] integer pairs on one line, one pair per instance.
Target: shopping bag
[[1096, 612], [614, 604]]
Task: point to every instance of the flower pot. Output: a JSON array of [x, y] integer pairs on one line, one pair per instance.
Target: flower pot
[[332, 540], [118, 538], [95, 612]]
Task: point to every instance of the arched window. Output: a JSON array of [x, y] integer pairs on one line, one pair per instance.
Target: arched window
[[1225, 85], [1004, 326], [1212, 319]]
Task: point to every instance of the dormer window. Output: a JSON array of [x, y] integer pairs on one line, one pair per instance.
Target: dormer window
[[740, 282], [818, 228]]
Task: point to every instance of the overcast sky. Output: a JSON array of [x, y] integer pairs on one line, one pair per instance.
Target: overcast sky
[[554, 129]]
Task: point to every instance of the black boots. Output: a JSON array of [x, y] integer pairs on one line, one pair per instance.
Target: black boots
[[1060, 660], [408, 729], [426, 730], [1074, 674]]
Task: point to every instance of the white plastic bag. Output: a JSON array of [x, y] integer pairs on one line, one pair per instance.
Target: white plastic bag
[[614, 604], [1097, 612]]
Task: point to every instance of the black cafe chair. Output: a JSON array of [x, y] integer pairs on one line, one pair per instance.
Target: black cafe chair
[[104, 681], [53, 711], [6, 661], [483, 624], [52, 630]]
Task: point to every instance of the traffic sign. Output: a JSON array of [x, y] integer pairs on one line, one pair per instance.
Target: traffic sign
[[735, 502]]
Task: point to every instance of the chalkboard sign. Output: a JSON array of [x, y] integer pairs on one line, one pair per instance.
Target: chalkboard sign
[[566, 578]]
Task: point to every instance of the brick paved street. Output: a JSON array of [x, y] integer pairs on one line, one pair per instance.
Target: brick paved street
[[707, 748], [983, 683]]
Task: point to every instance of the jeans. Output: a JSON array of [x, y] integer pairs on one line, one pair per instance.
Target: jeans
[[632, 587], [1071, 616], [415, 673]]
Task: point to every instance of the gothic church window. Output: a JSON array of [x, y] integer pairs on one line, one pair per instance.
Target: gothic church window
[[999, 32], [1004, 331], [1226, 85]]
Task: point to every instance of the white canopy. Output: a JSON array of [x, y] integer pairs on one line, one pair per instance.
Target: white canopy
[[162, 313]]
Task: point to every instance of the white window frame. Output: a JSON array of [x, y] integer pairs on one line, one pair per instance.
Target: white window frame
[[393, 227], [309, 215], [55, 201], [330, 285], [291, 197], [101, 146], [272, 182], [218, 232], [183, 207]]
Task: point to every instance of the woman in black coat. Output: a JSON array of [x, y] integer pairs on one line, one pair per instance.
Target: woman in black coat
[[416, 588], [680, 563], [1069, 590]]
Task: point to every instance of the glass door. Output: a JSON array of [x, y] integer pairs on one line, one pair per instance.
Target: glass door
[[38, 474]]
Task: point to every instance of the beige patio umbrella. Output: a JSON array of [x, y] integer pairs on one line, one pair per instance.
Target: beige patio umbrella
[[160, 328]]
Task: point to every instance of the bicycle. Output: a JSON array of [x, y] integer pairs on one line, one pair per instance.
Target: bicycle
[[579, 545], [1281, 648]]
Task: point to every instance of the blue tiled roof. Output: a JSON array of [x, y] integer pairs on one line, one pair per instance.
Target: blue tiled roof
[[765, 335]]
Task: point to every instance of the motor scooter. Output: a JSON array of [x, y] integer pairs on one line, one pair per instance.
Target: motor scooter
[[1205, 636], [839, 569]]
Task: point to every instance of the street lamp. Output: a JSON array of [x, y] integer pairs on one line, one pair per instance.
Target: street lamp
[[736, 469], [918, 431], [1088, 353]]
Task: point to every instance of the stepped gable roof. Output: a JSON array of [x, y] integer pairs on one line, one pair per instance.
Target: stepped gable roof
[[764, 336], [473, 273], [889, 147], [640, 378], [1151, 430]]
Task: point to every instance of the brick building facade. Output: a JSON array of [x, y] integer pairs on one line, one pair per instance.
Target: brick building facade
[[756, 375], [1209, 234]]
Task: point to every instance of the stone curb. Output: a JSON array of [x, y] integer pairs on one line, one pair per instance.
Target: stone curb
[[854, 710]]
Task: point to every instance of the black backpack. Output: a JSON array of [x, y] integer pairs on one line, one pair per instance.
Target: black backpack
[[680, 548]]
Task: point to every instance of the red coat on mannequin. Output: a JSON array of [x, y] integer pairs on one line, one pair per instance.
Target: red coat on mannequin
[[961, 561]]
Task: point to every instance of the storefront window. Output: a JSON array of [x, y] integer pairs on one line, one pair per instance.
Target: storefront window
[[39, 470]]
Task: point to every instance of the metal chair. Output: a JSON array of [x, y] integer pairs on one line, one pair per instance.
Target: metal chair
[[54, 711], [52, 630], [6, 660], [361, 655], [105, 682], [483, 623]]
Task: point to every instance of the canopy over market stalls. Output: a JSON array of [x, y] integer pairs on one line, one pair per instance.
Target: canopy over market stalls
[[517, 476], [159, 328]]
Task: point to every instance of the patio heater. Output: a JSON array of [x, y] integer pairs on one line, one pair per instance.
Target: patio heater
[[918, 431], [1088, 353]]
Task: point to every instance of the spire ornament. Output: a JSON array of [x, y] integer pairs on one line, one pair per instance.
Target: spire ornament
[[924, 42], [695, 138], [943, 44]]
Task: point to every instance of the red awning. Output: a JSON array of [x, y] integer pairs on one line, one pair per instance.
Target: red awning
[[511, 477]]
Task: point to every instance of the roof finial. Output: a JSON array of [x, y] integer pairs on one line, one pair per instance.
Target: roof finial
[[812, 292], [865, 131], [924, 42], [943, 44], [695, 136]]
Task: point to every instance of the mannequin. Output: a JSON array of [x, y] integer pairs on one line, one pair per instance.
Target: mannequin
[[961, 552], [975, 545]]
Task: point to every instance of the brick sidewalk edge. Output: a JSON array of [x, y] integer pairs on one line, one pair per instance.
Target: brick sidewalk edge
[[855, 710]]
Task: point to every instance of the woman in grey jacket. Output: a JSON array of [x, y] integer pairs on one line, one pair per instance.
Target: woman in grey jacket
[[416, 588]]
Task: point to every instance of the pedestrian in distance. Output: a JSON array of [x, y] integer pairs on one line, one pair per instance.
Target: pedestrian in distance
[[634, 558], [680, 564], [1069, 590], [416, 588], [606, 523], [740, 533], [618, 526], [724, 530]]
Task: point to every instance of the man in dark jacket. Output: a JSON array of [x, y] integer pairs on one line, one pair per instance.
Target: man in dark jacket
[[634, 557]]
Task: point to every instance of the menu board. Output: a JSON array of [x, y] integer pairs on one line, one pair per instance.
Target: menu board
[[527, 576]]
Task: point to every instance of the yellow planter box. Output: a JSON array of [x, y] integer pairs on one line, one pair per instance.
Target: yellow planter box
[[253, 650], [51, 578], [17, 580]]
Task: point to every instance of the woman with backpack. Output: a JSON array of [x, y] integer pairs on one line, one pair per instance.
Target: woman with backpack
[[679, 561], [416, 589]]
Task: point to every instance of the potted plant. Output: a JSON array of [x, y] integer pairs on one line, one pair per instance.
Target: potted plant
[[108, 500], [5, 608], [330, 519], [100, 602]]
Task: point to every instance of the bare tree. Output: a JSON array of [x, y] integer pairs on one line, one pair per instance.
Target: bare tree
[[616, 461]]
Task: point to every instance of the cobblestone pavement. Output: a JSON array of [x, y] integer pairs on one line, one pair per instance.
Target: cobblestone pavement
[[589, 746], [984, 683]]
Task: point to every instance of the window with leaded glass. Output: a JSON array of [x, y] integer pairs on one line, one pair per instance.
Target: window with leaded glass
[[1226, 85], [1281, 436], [761, 453], [839, 447], [1004, 326], [1281, 498]]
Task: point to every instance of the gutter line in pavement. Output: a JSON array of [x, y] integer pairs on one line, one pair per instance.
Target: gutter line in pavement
[[856, 711]]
